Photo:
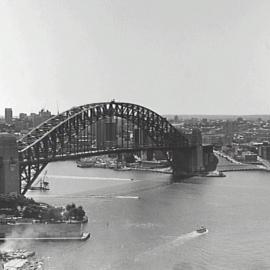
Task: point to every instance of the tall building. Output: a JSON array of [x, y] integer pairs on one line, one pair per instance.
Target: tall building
[[229, 128], [100, 133], [44, 115], [22, 116], [40, 117], [8, 115], [110, 132], [138, 137], [106, 133]]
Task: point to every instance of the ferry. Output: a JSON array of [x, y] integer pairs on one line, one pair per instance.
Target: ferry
[[202, 230]]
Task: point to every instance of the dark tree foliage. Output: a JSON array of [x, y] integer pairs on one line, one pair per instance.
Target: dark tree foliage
[[18, 205], [130, 158], [31, 212], [73, 212], [13, 201], [70, 206]]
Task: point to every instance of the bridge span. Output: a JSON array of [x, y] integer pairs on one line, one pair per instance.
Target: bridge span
[[80, 132]]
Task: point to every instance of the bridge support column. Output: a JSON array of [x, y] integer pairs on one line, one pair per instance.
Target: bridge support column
[[193, 161], [181, 163], [210, 161], [190, 161], [9, 164]]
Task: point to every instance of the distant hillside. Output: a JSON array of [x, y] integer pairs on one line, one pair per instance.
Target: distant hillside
[[225, 117]]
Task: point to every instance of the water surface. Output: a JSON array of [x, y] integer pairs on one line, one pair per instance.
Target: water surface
[[157, 230]]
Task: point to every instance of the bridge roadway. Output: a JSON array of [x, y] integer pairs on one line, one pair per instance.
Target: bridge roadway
[[99, 152]]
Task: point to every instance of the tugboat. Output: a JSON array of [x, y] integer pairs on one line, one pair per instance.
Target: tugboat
[[85, 236], [202, 230]]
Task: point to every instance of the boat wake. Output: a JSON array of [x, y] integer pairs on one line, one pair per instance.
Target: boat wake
[[185, 237], [92, 178], [166, 247], [148, 225], [108, 196], [127, 197]]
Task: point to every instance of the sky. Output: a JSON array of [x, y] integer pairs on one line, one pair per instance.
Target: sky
[[173, 56]]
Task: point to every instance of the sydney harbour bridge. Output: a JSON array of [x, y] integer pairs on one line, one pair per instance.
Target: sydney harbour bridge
[[76, 133]]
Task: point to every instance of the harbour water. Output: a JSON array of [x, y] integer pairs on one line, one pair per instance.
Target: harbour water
[[149, 223]]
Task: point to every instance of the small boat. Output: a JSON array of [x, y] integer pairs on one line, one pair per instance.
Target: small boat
[[215, 174], [43, 184], [85, 236], [202, 230]]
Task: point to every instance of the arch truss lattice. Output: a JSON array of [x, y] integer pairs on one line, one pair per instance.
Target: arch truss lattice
[[60, 137]]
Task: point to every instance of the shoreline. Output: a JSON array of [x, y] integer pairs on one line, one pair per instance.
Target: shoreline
[[144, 170]]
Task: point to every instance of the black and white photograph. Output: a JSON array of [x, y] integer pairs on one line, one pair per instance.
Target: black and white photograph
[[134, 135]]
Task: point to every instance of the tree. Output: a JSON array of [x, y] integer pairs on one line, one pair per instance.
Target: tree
[[31, 212], [70, 206], [73, 212], [80, 213]]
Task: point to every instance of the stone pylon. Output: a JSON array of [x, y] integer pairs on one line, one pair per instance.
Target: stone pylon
[[9, 164]]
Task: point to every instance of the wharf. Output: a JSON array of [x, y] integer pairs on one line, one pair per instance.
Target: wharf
[[234, 167], [227, 164], [40, 238]]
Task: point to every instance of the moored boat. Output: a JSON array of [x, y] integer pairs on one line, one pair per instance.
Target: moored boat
[[43, 184], [215, 174]]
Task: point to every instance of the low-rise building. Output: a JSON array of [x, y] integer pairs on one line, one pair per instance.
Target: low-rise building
[[264, 151], [249, 157]]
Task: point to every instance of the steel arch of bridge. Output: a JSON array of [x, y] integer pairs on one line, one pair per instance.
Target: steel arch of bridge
[[47, 141]]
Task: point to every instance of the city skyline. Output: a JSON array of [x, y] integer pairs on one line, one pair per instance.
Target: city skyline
[[184, 116], [181, 57]]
